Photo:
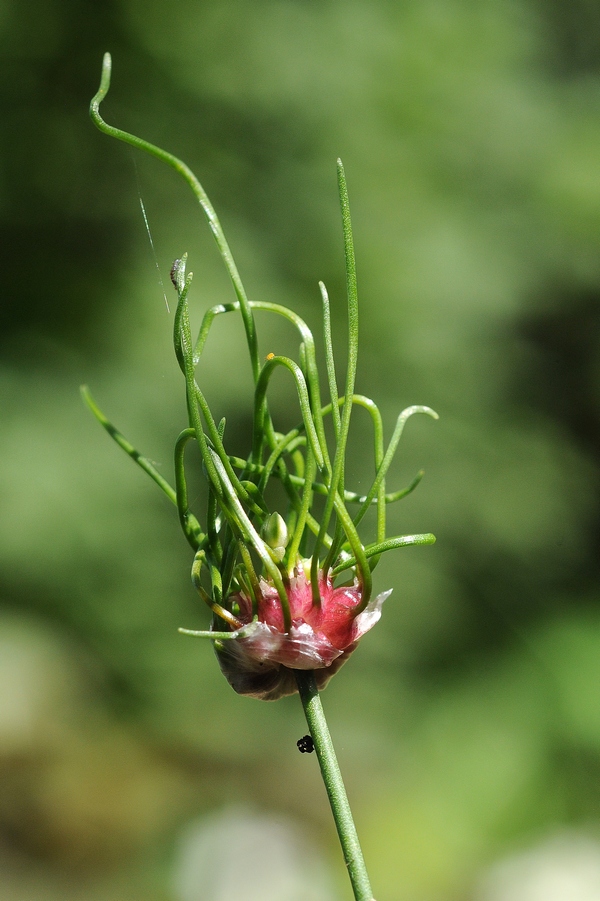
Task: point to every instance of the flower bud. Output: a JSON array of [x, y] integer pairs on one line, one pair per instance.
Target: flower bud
[[274, 533]]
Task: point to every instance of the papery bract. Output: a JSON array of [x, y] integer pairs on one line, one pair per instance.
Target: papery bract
[[261, 659]]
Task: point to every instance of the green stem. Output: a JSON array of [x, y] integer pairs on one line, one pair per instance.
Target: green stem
[[334, 785]]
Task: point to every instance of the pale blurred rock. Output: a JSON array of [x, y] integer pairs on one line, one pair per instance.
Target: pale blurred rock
[[565, 867], [38, 682], [76, 787], [238, 853]]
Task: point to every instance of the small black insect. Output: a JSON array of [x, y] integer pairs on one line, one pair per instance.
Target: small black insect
[[305, 744], [175, 272]]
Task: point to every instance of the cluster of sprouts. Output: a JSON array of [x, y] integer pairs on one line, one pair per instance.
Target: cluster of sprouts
[[289, 589]]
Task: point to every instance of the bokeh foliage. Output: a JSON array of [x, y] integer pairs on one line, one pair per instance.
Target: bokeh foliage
[[468, 721]]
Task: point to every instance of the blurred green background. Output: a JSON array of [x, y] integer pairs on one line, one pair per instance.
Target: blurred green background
[[468, 723]]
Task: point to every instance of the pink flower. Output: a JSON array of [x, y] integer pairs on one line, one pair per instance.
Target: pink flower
[[261, 659]]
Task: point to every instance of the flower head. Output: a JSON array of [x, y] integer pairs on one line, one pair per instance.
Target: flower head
[[261, 659]]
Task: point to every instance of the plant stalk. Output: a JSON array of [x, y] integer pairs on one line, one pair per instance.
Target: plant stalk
[[334, 785]]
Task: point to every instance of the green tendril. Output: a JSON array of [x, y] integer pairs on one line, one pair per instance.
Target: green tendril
[[375, 550], [200, 194]]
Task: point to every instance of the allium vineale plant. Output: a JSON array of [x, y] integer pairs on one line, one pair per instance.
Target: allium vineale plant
[[290, 590]]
